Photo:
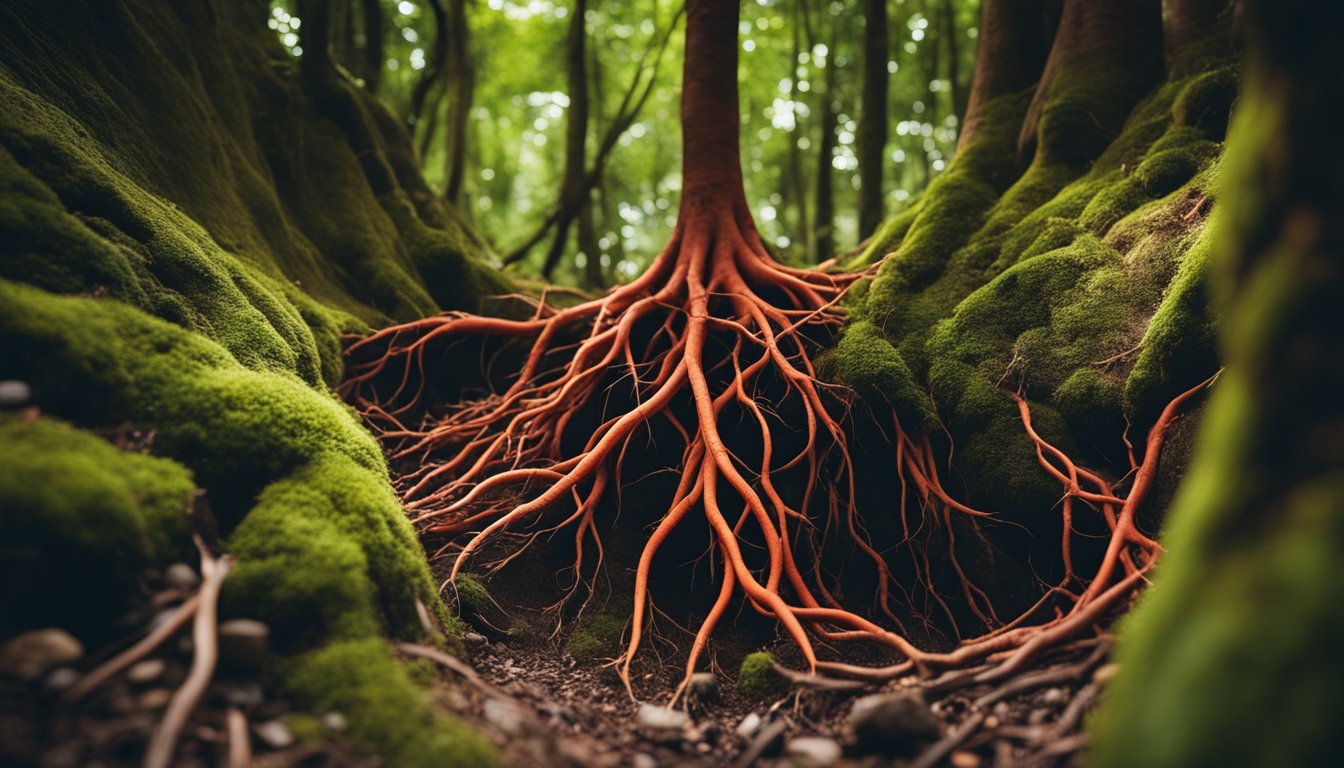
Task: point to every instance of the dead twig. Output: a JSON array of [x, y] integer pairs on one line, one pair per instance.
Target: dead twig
[[124, 660], [240, 742], [204, 633], [452, 663], [938, 752]]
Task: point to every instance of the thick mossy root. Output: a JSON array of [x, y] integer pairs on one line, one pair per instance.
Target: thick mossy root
[[183, 257], [1233, 658]]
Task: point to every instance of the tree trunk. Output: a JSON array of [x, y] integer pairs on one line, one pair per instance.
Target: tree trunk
[[950, 33], [438, 63], [315, 37], [573, 189], [373, 45], [824, 224], [459, 101], [797, 192], [873, 121], [1009, 57], [1106, 55]]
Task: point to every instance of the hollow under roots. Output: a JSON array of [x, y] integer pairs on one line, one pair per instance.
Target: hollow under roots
[[713, 324]]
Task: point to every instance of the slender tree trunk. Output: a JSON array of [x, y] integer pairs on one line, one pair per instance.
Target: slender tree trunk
[[594, 274], [950, 35], [459, 103], [873, 121], [438, 63], [315, 37], [797, 196], [1116, 46], [373, 45], [573, 190], [824, 225], [1009, 57]]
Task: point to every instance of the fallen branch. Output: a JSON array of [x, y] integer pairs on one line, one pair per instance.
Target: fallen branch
[[204, 634], [124, 660]]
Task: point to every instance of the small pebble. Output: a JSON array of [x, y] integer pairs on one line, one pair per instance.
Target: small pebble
[[643, 760], [14, 394], [963, 759], [335, 721], [60, 680], [181, 576], [153, 699], [504, 715], [894, 723], [704, 686], [812, 752], [274, 734], [662, 724], [242, 645], [1105, 672], [749, 725], [475, 640], [145, 672], [1001, 708], [31, 654], [1053, 696]]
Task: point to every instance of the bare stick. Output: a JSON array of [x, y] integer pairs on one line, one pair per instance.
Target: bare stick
[[163, 743], [451, 662], [123, 661], [240, 744]]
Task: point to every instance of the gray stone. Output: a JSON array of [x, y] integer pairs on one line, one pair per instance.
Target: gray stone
[[244, 696], [812, 752], [475, 640], [749, 725], [504, 715], [181, 576], [60, 680], [31, 654], [662, 724], [145, 672], [1053, 696], [892, 723], [274, 734], [704, 687], [335, 721], [14, 394], [243, 644]]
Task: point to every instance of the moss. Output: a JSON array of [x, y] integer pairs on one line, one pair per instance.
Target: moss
[[1206, 103], [757, 678], [866, 361], [72, 504], [385, 709], [597, 636]]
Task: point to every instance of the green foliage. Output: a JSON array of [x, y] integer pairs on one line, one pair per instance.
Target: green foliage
[[757, 678], [71, 504]]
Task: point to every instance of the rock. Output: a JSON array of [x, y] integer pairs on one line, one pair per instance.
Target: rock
[[60, 680], [14, 394], [643, 760], [242, 645], [704, 687], [181, 576], [892, 723], [475, 640], [963, 759], [767, 742], [1053, 696], [145, 672], [31, 654], [504, 715], [749, 725], [812, 752], [244, 696], [335, 721], [274, 734], [662, 724], [153, 699]]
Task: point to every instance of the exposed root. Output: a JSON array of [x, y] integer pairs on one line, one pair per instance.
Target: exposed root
[[127, 658]]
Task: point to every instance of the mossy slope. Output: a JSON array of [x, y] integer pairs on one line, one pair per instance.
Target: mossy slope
[[188, 228]]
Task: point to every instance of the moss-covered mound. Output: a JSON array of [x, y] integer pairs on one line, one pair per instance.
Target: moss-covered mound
[[1078, 280], [188, 228]]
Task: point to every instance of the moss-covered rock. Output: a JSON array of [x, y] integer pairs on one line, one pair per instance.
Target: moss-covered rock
[[757, 678]]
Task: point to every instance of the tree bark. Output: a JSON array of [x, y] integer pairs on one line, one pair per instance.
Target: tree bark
[[373, 45], [438, 63], [1009, 57], [1106, 55], [315, 37], [573, 190], [824, 224], [461, 92], [873, 121]]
